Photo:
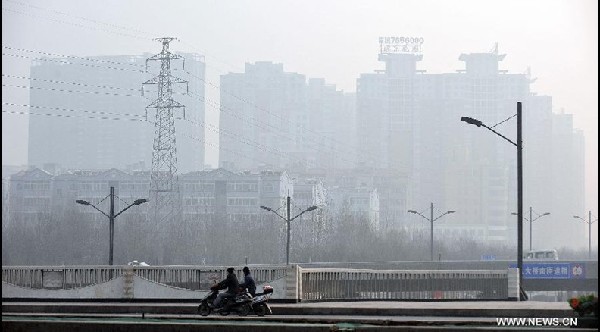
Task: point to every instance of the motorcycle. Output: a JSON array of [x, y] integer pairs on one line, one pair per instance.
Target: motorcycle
[[240, 303], [259, 302]]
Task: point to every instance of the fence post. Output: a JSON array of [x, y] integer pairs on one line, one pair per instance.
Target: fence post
[[513, 284], [292, 283], [128, 282]]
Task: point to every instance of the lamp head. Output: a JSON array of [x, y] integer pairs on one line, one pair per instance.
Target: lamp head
[[140, 201], [471, 121], [265, 208], [82, 202], [311, 208]]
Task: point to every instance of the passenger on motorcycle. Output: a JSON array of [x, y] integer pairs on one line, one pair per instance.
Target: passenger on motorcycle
[[248, 282], [231, 283]]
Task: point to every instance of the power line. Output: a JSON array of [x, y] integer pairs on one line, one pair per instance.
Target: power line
[[188, 73], [71, 83], [278, 132], [72, 110], [209, 83], [70, 116], [73, 24], [68, 91], [211, 104], [115, 26], [141, 67], [69, 62], [218, 148], [79, 17], [247, 141], [275, 130], [208, 143]]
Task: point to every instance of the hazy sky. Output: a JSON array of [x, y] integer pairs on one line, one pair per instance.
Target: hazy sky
[[336, 40]]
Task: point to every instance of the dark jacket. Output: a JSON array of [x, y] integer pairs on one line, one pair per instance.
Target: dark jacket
[[249, 283], [231, 283]]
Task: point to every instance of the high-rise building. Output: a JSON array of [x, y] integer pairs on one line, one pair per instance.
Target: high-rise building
[[262, 116], [90, 113], [272, 118], [568, 186], [409, 121]]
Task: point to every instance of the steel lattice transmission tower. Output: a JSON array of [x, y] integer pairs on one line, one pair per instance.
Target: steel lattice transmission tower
[[164, 187]]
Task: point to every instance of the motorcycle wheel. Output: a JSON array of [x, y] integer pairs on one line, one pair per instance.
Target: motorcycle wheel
[[261, 310], [244, 310], [204, 309], [225, 308]]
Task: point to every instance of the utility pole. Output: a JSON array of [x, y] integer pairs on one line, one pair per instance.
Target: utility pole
[[111, 218], [431, 232], [164, 186], [589, 222], [522, 295], [530, 226], [288, 220], [590, 234]]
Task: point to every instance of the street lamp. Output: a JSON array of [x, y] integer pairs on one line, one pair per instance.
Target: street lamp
[[589, 222], [531, 220], [519, 145], [431, 220], [288, 220], [111, 217]]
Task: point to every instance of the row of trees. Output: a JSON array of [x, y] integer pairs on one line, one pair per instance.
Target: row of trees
[[72, 238]]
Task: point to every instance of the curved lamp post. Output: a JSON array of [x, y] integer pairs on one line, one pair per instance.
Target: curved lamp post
[[431, 220], [111, 217], [589, 222], [519, 145], [288, 220], [531, 220]]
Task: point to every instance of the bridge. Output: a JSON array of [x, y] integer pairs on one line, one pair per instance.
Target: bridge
[[444, 280]]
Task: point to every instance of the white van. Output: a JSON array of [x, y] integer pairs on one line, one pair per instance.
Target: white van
[[541, 255]]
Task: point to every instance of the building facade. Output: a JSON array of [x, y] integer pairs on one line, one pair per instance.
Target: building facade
[[409, 121], [274, 119], [90, 113]]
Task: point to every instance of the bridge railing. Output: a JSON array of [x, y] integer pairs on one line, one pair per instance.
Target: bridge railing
[[364, 284], [59, 277], [70, 277], [202, 277]]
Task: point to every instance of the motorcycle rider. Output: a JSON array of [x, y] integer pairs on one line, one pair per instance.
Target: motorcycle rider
[[248, 282], [231, 283]]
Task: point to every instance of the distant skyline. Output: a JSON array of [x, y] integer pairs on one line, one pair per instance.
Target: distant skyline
[[335, 40]]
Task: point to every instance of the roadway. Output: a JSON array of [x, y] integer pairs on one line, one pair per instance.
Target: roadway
[[313, 316], [183, 323]]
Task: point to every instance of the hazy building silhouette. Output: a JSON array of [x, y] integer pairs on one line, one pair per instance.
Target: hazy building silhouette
[[409, 121], [272, 118], [95, 113]]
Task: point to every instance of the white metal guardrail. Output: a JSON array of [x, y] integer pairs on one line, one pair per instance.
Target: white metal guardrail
[[70, 277], [363, 284]]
